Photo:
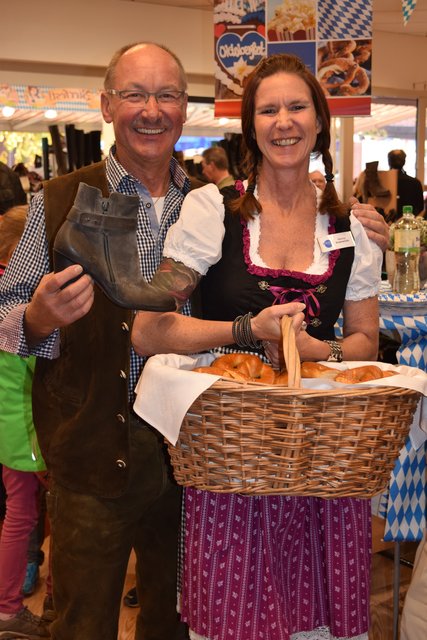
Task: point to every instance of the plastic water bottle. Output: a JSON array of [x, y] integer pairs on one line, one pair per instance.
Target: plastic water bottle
[[407, 252]]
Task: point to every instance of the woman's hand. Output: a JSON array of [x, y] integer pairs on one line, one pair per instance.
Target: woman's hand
[[266, 326]]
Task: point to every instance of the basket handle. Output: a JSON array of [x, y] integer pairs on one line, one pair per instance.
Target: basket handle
[[290, 352]]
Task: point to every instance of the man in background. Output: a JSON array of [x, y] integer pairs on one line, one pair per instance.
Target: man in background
[[409, 189], [318, 178], [215, 167]]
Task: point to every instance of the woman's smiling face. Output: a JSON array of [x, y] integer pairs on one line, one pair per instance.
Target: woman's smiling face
[[285, 121]]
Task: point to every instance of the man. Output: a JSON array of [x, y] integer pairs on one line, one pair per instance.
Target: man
[[215, 167], [409, 189], [111, 479], [318, 178], [11, 191]]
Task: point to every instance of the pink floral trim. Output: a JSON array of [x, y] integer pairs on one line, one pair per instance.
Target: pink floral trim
[[311, 278]]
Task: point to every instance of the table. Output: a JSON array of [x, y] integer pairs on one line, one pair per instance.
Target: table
[[404, 504]]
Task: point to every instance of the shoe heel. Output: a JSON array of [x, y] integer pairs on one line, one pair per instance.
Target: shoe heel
[[61, 262]]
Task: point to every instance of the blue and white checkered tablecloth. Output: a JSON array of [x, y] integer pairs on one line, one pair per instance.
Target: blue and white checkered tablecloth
[[404, 505]]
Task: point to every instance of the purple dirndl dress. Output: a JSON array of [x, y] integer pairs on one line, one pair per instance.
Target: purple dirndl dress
[[268, 567]]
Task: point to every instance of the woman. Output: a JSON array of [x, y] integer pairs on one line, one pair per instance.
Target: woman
[[272, 567]]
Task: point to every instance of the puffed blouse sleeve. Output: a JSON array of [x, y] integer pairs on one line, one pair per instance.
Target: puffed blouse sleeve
[[196, 238], [365, 278]]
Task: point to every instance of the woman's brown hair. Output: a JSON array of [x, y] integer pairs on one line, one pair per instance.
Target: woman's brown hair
[[285, 63]]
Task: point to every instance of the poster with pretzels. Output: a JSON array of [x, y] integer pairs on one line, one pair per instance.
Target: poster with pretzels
[[332, 37]]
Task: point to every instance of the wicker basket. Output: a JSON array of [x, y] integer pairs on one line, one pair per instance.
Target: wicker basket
[[258, 439]]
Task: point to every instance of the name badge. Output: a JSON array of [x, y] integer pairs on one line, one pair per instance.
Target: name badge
[[336, 241]]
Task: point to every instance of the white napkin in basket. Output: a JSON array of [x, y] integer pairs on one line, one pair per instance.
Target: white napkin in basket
[[168, 387]]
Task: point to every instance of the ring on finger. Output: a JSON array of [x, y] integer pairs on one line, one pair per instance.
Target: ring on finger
[[303, 325]]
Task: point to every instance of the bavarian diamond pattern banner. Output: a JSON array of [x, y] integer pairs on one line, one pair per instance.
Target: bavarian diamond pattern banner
[[332, 37], [407, 8], [343, 20], [406, 506]]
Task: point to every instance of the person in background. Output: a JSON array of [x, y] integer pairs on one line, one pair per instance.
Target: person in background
[[414, 614], [318, 178], [23, 172], [215, 167], [409, 189], [195, 183], [21, 463], [275, 567], [111, 484], [11, 191]]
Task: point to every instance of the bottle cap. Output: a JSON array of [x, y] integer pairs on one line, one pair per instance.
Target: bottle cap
[[407, 208]]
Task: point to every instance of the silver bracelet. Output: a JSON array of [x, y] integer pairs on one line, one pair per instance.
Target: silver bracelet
[[242, 332], [336, 351]]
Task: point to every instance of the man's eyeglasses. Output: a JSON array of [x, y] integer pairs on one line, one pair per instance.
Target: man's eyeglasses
[[138, 97]]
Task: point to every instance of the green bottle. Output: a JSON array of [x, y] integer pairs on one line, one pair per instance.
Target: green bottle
[[407, 253]]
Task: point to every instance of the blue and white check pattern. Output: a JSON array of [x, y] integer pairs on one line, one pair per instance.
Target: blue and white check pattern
[[31, 260], [406, 501], [344, 19], [404, 505], [407, 8]]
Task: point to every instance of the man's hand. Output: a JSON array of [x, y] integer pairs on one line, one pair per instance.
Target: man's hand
[[53, 306], [376, 227]]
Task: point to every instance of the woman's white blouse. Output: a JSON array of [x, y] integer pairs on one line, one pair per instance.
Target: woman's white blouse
[[196, 240]]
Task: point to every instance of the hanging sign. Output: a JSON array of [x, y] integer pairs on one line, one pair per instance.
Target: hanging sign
[[40, 97], [332, 37], [407, 8]]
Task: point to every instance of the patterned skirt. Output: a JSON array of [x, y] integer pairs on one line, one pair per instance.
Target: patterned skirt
[[275, 567]]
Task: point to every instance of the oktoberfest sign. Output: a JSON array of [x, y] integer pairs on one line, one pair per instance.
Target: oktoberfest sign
[[332, 37]]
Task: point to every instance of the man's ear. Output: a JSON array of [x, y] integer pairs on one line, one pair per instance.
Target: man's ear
[[106, 107], [184, 109]]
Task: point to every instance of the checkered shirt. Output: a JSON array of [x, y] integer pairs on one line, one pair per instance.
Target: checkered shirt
[[30, 261]]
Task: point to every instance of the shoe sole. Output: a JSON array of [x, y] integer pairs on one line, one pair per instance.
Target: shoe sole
[[15, 635]]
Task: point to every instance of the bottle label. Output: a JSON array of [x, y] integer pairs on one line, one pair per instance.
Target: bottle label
[[407, 240]]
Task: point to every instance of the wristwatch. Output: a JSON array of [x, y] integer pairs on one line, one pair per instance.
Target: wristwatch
[[336, 351]]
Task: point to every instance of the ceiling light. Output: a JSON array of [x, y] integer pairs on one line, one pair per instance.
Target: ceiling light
[[50, 114], [8, 111], [223, 121]]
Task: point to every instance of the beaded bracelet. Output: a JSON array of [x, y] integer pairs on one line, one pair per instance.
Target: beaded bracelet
[[242, 332]]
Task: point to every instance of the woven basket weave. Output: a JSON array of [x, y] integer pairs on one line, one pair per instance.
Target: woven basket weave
[[257, 439]]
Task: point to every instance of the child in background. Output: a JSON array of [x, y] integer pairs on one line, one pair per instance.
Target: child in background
[[22, 466]]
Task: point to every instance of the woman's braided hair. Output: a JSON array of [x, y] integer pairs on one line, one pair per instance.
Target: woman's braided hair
[[279, 63]]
